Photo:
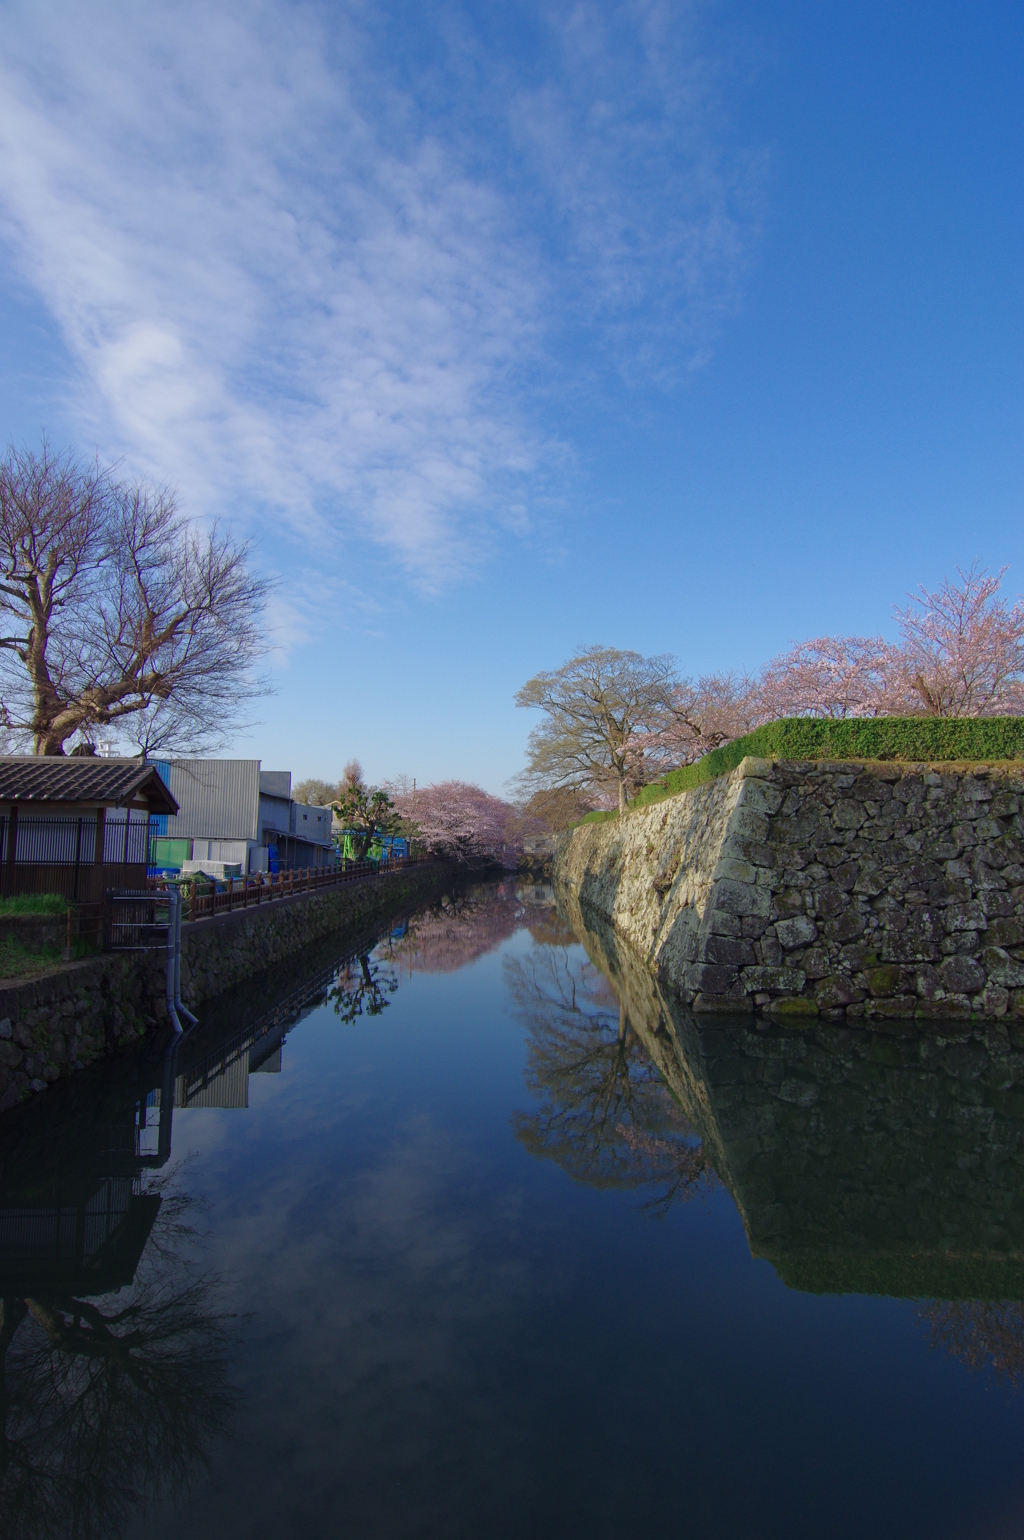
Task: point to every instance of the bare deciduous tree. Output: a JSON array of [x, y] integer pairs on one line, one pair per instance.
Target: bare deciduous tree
[[116, 614], [105, 1403], [313, 792], [604, 1114], [599, 710]]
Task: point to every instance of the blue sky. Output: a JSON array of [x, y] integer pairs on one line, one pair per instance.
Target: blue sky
[[503, 328]]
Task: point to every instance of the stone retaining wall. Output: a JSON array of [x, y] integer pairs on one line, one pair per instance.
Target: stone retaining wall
[[54, 1025], [863, 889]]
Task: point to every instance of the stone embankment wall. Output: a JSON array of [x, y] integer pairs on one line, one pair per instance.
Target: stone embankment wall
[[860, 890], [54, 1025]]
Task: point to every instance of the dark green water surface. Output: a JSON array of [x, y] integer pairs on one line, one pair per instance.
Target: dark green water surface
[[474, 1232]]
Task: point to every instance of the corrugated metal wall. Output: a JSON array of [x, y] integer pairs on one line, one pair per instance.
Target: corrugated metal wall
[[217, 799]]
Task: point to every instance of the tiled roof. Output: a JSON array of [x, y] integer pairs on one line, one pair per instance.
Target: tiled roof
[[51, 778]]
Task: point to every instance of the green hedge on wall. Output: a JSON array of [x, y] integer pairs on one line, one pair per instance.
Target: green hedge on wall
[[906, 738]]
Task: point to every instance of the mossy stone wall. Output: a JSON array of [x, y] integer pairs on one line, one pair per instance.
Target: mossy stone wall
[[56, 1024], [860, 889]]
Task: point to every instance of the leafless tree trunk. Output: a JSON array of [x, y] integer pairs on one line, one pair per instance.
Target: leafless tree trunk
[[116, 615]]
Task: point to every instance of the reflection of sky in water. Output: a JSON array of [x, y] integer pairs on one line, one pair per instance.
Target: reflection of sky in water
[[444, 1334]]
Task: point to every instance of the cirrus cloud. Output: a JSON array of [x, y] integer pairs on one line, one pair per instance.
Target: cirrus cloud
[[330, 272]]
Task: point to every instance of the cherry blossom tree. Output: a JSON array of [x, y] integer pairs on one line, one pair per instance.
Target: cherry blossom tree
[[963, 648], [985, 1335], [611, 718], [960, 654], [461, 822], [831, 676], [459, 927], [703, 715]]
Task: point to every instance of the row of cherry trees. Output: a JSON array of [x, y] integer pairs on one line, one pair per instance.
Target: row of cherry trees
[[614, 720], [960, 654]]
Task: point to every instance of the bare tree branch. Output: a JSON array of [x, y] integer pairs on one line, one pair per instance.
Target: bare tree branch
[[127, 617]]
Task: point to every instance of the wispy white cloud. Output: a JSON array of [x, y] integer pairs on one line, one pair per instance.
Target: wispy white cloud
[[300, 276]]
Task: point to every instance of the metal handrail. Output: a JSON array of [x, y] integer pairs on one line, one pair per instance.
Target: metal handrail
[[268, 888]]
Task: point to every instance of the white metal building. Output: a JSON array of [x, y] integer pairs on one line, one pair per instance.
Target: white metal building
[[232, 811]]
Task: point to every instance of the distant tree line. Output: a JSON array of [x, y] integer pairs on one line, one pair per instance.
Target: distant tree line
[[452, 819]]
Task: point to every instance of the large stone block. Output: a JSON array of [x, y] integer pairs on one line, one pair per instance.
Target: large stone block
[[962, 975], [796, 932], [741, 898], [724, 949], [774, 980]]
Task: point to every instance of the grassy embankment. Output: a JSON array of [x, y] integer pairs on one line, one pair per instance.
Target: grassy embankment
[[912, 739], [17, 961]]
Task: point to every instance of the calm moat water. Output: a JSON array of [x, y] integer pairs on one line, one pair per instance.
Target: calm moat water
[[472, 1232]]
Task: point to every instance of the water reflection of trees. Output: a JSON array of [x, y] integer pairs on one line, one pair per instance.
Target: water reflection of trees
[[605, 1115], [987, 1336], [460, 927], [363, 986], [106, 1402]]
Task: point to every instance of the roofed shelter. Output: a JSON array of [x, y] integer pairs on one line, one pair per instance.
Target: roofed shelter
[[76, 826]]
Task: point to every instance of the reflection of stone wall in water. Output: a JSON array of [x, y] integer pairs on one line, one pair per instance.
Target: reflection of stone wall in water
[[52, 1026], [878, 890], [888, 1162]]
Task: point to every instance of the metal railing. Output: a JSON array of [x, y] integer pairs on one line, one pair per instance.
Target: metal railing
[[230, 893]]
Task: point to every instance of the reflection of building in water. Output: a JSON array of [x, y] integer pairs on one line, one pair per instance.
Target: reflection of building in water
[[73, 1213], [88, 1241], [221, 1079]]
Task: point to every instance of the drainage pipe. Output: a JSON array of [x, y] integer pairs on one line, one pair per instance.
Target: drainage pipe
[[172, 1010], [180, 1009]]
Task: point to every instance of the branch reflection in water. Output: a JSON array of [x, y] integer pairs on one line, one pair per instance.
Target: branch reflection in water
[[450, 933], [987, 1336], [605, 1116], [113, 1366]]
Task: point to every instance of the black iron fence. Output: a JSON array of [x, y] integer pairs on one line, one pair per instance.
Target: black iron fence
[[37, 839], [42, 853]]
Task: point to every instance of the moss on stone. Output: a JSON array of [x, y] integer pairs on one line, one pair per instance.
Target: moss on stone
[[793, 1007]]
